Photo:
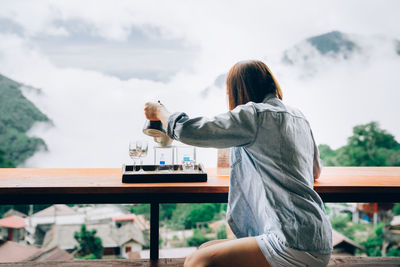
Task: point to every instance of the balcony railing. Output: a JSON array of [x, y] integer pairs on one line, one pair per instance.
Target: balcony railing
[[55, 186]]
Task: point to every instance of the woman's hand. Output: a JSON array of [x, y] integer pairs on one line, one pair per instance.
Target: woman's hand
[[156, 112], [152, 111]]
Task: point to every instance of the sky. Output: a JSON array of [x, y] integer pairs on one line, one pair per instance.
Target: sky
[[98, 62]]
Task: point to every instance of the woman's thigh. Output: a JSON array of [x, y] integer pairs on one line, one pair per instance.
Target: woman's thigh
[[213, 242], [238, 252]]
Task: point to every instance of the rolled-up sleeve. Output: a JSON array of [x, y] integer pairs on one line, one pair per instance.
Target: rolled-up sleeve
[[234, 128]]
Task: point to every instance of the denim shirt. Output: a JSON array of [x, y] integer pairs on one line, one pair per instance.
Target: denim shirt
[[274, 160]]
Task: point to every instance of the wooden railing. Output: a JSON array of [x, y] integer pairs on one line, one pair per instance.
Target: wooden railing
[[52, 186]]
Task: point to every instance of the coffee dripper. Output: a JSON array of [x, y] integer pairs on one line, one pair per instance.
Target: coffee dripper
[[156, 130]]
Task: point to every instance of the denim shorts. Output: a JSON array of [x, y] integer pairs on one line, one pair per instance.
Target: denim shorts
[[279, 255]]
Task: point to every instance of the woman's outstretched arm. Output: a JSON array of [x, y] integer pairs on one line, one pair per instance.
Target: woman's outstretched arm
[[233, 128]]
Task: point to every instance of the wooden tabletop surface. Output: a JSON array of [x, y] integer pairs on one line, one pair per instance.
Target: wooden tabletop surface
[[333, 179]]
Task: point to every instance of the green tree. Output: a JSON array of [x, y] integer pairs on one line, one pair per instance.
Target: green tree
[[4, 162], [197, 239], [166, 211], [4, 209], [17, 116], [368, 146], [340, 222], [393, 252], [328, 155], [200, 213], [89, 245], [141, 209], [221, 232], [396, 209], [375, 241]]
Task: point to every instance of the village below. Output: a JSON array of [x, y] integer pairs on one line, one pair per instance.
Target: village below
[[65, 232]]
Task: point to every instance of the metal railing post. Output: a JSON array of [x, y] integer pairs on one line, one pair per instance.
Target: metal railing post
[[154, 229]]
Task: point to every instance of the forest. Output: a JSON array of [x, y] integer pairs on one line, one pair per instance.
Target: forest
[[17, 116]]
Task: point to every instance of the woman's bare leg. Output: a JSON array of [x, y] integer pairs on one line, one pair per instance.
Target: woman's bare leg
[[238, 252], [212, 242]]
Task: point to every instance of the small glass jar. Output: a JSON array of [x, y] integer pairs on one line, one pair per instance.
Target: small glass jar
[[164, 158], [188, 165], [186, 156]]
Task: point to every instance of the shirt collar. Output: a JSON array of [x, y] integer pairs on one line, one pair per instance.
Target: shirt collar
[[269, 96]]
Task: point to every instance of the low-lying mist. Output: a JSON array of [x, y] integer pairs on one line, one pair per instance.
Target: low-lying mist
[[95, 114]]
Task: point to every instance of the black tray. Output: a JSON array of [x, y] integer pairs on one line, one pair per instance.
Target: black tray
[[173, 176]]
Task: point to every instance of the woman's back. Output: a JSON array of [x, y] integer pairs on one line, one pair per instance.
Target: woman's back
[[272, 177]]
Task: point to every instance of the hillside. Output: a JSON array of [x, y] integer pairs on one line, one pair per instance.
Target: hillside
[[337, 45], [17, 116], [332, 44]]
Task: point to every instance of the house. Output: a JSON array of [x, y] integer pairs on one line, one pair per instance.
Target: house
[[12, 228], [12, 212], [130, 239], [138, 220], [372, 212], [101, 213], [63, 214], [56, 214], [13, 252], [343, 245], [52, 254], [117, 242], [41, 221]]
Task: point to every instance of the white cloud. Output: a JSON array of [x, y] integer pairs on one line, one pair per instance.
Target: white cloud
[[96, 114], [337, 93]]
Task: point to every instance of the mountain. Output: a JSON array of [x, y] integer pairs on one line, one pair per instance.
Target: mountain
[[323, 51], [17, 116], [336, 44], [331, 44], [219, 82]]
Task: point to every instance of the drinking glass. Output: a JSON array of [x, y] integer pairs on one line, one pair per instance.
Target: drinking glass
[[134, 153], [143, 147]]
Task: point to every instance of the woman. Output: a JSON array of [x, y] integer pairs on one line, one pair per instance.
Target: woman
[[277, 217]]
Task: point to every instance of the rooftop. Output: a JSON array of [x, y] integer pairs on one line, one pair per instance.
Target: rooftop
[[139, 220], [63, 235], [338, 238], [14, 222], [58, 209], [13, 252]]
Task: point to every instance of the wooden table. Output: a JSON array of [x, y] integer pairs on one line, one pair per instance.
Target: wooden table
[[52, 186]]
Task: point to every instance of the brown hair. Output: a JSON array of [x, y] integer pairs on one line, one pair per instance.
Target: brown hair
[[250, 81]]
